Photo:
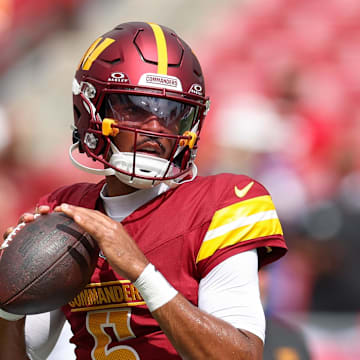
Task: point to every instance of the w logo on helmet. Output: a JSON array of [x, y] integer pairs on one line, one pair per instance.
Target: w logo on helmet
[[96, 48]]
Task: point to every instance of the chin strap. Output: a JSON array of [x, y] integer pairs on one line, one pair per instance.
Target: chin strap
[[105, 172], [193, 173], [110, 171]]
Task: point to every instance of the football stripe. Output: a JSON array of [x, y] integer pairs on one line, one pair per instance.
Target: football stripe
[[161, 49], [259, 225], [240, 210]]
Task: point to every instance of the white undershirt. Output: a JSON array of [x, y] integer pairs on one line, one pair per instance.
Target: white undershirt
[[230, 291], [119, 207]]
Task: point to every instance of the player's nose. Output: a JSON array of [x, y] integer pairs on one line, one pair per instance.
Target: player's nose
[[153, 123]]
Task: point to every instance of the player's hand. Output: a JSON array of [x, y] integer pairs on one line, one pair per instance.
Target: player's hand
[[27, 217], [120, 249]]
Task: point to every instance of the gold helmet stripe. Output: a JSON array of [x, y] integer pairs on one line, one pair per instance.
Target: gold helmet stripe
[[88, 52], [94, 51], [161, 49]]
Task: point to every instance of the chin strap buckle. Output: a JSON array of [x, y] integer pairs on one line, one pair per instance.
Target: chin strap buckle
[[188, 142], [107, 128]]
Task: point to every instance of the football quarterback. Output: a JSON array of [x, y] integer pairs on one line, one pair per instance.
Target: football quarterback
[[177, 273]]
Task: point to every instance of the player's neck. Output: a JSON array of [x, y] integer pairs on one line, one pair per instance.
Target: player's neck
[[116, 188]]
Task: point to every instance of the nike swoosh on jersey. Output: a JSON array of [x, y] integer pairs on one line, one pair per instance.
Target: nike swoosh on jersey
[[242, 192]]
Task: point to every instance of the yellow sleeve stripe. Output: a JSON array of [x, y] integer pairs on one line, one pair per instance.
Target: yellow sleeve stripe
[[240, 210], [161, 49], [246, 220], [255, 230], [240, 223]]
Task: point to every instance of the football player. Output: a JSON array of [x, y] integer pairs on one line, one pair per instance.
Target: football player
[[177, 274]]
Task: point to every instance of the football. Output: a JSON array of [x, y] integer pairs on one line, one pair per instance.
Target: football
[[44, 264]]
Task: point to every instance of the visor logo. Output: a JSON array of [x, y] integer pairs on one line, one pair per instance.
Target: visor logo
[[119, 77]]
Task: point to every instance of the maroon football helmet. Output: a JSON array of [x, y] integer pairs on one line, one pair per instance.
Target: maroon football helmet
[[135, 71]]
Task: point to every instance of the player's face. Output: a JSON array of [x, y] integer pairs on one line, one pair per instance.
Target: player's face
[[157, 115]]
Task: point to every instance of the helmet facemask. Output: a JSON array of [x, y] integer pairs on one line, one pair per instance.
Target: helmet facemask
[[152, 154]]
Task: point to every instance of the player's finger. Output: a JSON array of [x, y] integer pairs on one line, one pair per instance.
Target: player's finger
[[94, 222], [82, 218], [7, 232], [26, 217], [87, 215], [42, 209]]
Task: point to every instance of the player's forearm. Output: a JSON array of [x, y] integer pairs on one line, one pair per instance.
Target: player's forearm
[[198, 335], [12, 340]]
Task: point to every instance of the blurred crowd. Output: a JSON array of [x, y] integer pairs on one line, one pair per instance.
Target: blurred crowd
[[24, 25], [284, 77], [285, 87], [284, 82]]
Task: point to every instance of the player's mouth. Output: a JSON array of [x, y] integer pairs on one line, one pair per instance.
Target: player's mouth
[[151, 146]]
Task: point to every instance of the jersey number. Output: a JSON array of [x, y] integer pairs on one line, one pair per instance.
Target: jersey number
[[116, 322]]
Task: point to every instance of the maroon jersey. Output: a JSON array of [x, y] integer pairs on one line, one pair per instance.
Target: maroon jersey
[[185, 232]]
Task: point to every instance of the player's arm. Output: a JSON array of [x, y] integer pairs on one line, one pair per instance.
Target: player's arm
[[194, 333], [34, 337], [198, 335], [12, 339], [239, 304]]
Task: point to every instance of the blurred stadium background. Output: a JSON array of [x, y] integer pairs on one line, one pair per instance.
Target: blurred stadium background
[[284, 80]]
